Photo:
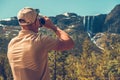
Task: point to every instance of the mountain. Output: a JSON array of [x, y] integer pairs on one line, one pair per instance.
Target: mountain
[[86, 26], [92, 24], [68, 21], [9, 22], [112, 21]]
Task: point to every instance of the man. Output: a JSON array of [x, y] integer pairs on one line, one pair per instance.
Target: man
[[28, 52]]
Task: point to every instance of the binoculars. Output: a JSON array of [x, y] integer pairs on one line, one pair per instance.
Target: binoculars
[[42, 20]]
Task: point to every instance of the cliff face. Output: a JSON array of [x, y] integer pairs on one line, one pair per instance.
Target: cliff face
[[94, 24], [112, 21]]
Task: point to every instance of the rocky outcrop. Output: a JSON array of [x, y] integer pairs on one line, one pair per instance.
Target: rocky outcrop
[[106, 40], [112, 21], [9, 22]]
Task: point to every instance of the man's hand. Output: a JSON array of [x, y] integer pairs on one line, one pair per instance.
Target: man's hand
[[48, 23]]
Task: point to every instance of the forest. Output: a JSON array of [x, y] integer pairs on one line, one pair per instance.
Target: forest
[[84, 62]]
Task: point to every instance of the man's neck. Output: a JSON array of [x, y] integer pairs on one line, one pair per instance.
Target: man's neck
[[29, 28]]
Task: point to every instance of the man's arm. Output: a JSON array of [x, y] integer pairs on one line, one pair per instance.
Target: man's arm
[[65, 41]]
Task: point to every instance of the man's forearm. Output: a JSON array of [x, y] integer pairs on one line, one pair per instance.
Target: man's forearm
[[65, 40]]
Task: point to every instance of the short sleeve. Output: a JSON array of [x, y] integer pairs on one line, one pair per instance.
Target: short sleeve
[[50, 43]]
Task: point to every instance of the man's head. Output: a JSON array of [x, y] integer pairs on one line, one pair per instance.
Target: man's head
[[27, 16]]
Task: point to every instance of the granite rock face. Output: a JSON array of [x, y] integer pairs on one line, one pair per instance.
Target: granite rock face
[[112, 21]]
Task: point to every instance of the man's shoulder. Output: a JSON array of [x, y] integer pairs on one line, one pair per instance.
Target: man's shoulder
[[13, 40]]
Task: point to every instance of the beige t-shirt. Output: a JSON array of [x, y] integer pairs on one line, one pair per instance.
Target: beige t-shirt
[[28, 55]]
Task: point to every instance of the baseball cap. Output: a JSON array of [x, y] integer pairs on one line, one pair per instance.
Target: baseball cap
[[27, 16]]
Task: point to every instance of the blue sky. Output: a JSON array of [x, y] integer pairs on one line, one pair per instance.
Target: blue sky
[[10, 8]]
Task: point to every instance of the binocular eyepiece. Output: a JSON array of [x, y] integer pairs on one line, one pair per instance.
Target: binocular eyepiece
[[42, 21]]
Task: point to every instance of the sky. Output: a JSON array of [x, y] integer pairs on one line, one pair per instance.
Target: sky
[[10, 8]]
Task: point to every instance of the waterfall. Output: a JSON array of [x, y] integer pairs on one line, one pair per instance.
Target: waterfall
[[84, 22], [89, 26], [88, 23], [92, 22]]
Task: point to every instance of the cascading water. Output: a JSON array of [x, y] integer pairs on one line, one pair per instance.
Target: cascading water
[[88, 22], [84, 22], [88, 25]]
